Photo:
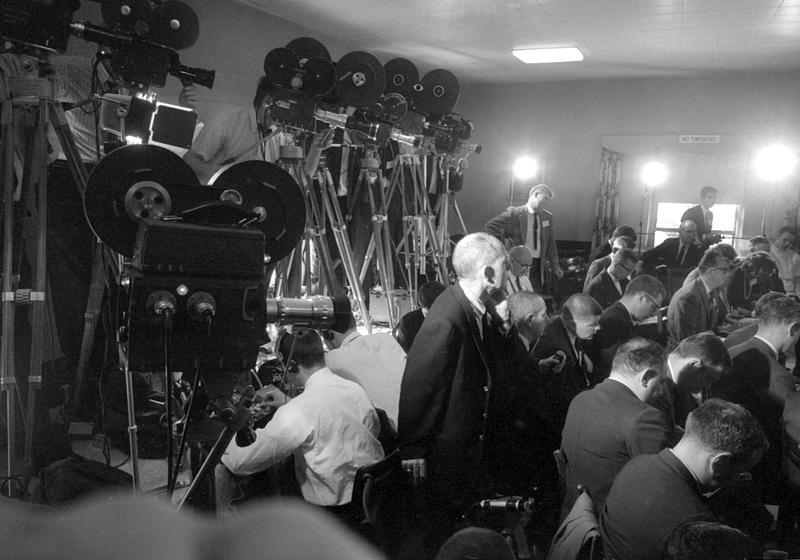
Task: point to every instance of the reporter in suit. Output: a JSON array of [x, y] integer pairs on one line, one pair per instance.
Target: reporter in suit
[[612, 423], [531, 225], [446, 391], [608, 286], [697, 307], [682, 252], [702, 216]]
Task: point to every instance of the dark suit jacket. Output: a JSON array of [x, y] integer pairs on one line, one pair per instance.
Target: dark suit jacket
[[600, 251], [695, 213], [667, 253], [690, 312], [407, 328], [596, 267], [561, 388], [602, 289], [511, 227], [444, 397], [781, 382], [616, 327], [606, 427], [650, 497]]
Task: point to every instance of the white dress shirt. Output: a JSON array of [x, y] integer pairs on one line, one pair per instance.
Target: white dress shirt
[[376, 362], [332, 430]]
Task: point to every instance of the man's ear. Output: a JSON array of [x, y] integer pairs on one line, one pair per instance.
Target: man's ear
[[721, 464], [489, 274], [793, 329], [649, 375]]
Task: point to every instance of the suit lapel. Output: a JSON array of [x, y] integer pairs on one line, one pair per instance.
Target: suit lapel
[[472, 323]]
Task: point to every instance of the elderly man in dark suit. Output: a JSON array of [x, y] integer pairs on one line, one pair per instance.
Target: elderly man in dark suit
[[702, 216], [531, 225], [446, 390], [654, 494], [612, 423], [698, 306], [608, 286], [676, 253], [643, 296], [569, 334]]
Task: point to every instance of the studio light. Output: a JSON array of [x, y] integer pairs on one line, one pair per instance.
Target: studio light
[[525, 168], [654, 174], [545, 56], [775, 162]]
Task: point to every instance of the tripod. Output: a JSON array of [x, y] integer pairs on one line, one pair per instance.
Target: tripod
[[371, 178], [321, 208], [420, 238], [31, 100]]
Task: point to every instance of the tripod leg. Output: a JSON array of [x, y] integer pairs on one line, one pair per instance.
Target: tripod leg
[[8, 384]]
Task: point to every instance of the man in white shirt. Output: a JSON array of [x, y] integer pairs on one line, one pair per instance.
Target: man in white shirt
[[785, 255], [375, 361], [331, 429]]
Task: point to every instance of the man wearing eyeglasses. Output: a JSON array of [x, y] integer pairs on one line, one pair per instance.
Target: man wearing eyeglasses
[[696, 307], [520, 261], [608, 286], [654, 494], [681, 252]]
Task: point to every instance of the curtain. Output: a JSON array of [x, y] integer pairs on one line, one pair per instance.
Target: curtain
[[606, 202]]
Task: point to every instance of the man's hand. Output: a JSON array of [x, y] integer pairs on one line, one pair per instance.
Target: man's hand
[[417, 468], [188, 96], [272, 396], [554, 363]]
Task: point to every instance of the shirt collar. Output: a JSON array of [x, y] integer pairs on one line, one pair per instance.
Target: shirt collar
[[694, 476], [672, 372], [476, 302], [317, 377], [769, 344], [350, 338]]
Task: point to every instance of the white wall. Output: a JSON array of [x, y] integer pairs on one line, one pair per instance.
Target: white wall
[[563, 124]]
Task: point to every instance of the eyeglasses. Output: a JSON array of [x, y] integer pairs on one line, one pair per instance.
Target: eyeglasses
[[729, 268], [652, 301], [522, 264]]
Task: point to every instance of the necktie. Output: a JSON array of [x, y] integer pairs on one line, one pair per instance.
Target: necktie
[[519, 285], [681, 254], [535, 230]]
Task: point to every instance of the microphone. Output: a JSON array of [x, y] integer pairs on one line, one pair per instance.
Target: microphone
[[161, 302], [201, 306], [508, 503]]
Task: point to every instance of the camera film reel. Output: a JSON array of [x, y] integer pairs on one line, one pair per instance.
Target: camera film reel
[[439, 92], [360, 79]]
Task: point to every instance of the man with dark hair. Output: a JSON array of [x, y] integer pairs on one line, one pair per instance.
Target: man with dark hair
[[409, 324], [709, 540], [759, 243], [778, 330], [755, 276], [446, 390], [606, 248], [677, 253], [696, 363], [702, 216], [611, 423], [331, 429], [608, 286], [374, 361], [697, 307], [654, 494], [569, 334], [531, 225], [600, 264], [643, 297]]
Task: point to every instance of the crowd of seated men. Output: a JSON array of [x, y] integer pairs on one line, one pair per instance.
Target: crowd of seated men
[[655, 427]]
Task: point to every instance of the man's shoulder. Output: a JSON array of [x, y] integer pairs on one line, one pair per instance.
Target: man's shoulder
[[600, 279]]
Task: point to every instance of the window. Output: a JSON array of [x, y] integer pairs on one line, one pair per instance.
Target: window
[[668, 220]]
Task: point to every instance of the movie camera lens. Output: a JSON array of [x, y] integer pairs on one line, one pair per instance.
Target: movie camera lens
[[317, 312]]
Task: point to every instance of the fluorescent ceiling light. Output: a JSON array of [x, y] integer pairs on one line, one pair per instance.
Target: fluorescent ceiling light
[[544, 56]]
